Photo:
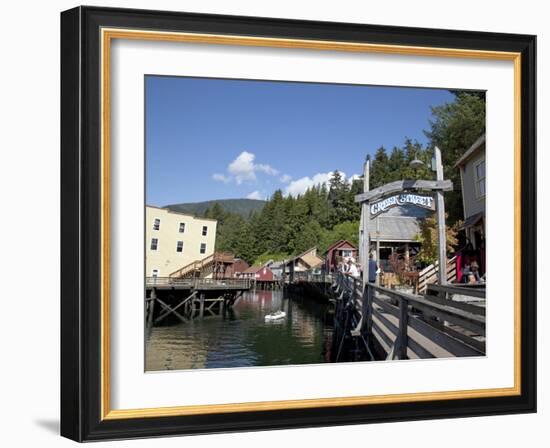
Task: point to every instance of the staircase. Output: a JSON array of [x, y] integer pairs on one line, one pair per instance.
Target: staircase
[[428, 275], [203, 268]]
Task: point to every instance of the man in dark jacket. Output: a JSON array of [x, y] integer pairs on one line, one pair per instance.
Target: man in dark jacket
[[373, 269]]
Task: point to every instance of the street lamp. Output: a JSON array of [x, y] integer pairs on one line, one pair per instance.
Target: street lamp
[[416, 163]]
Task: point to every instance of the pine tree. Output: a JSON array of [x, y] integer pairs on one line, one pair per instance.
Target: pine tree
[[396, 164], [309, 237], [338, 197], [380, 169], [216, 212], [454, 128]]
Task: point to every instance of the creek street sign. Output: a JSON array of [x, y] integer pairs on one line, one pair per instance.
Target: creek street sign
[[418, 200]]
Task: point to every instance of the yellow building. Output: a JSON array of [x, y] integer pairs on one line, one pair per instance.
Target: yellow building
[[174, 240]]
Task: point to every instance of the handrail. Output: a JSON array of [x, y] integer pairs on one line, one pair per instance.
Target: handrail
[[465, 290], [308, 276], [429, 326], [230, 283]]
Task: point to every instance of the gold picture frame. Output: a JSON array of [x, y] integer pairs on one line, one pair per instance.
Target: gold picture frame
[[109, 25]]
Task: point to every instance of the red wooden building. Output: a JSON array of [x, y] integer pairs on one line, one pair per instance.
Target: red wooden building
[[258, 273], [337, 251], [237, 268]]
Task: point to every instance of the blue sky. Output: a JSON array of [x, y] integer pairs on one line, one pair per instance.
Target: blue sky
[[215, 139]]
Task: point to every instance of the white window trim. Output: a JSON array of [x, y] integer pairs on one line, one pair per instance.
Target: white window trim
[[203, 230], [200, 248], [182, 246], [153, 272], [160, 221], [478, 162], [179, 227], [151, 243]]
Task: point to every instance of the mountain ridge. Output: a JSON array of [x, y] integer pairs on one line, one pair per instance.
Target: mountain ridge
[[242, 206]]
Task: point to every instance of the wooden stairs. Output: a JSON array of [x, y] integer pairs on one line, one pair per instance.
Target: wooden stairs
[[205, 267], [428, 275]]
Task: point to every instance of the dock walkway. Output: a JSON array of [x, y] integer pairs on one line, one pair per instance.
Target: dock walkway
[[393, 324]]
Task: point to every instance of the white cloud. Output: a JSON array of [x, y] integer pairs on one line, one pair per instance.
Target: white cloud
[[355, 177], [254, 195], [266, 169], [285, 178], [300, 186], [244, 169], [221, 178]]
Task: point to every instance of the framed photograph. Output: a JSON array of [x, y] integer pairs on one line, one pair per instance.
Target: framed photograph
[[274, 223]]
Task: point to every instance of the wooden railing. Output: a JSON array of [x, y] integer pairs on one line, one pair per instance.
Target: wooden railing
[[400, 325], [198, 283], [429, 274], [308, 276]]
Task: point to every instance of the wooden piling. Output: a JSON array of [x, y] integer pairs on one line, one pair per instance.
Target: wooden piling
[[152, 301], [201, 306]]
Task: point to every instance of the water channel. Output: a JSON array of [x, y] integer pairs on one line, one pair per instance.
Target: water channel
[[242, 337]]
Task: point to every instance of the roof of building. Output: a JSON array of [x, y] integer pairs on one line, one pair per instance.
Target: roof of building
[[471, 151], [399, 224], [254, 269], [240, 263], [275, 264], [473, 219], [309, 257], [181, 214], [338, 244], [311, 250], [311, 260]]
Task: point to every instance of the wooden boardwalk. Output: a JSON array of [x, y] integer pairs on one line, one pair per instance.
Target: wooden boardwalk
[[448, 321]]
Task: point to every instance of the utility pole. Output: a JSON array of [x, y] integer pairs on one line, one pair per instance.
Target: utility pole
[[441, 233]]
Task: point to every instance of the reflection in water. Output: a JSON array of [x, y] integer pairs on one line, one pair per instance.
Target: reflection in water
[[242, 338]]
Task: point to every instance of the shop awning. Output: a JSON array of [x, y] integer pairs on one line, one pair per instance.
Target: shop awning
[[473, 220]]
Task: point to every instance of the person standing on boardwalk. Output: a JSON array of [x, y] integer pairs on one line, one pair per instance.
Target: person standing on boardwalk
[[351, 268], [373, 269]]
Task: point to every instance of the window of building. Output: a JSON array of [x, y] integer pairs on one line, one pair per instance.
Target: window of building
[[203, 248], [182, 227], [154, 243], [204, 230], [179, 246], [480, 178], [155, 272], [346, 253], [156, 224]]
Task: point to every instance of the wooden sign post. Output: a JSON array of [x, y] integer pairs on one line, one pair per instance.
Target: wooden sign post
[[441, 233], [364, 237], [390, 199]]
